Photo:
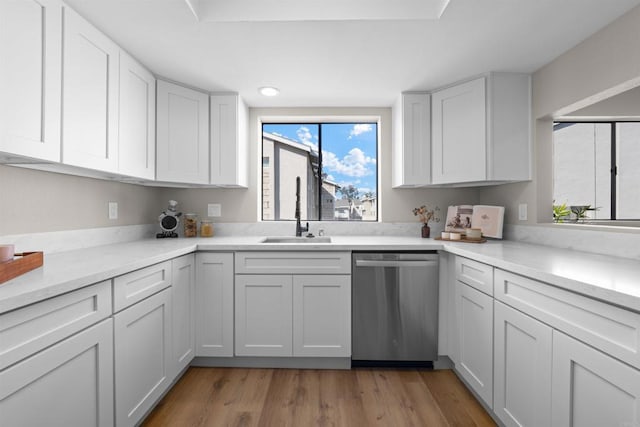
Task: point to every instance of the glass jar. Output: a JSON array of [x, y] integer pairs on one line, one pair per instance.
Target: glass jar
[[206, 228], [190, 225]]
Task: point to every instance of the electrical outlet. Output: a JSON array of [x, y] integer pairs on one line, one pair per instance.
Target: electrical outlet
[[522, 211], [113, 210], [214, 209]]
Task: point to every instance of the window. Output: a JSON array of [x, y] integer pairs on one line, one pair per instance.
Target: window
[[337, 166], [596, 169]]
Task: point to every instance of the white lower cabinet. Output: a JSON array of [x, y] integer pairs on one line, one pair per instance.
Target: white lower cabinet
[[264, 315], [475, 323], [214, 304], [522, 368], [322, 315], [590, 388], [142, 338], [183, 317], [67, 384], [293, 315]]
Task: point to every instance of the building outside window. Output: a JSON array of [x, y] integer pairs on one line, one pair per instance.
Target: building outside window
[[597, 164], [337, 166]]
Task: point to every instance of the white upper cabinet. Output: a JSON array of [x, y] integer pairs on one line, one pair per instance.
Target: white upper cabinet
[[90, 96], [137, 120], [30, 78], [182, 150], [229, 141], [412, 140], [481, 131]]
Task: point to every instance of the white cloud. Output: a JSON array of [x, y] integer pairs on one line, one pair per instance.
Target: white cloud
[[306, 137], [360, 129], [355, 163]]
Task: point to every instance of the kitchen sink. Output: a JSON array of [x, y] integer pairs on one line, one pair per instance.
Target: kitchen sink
[[293, 239]]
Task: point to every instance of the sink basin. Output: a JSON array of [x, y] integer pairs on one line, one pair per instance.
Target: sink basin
[[293, 239]]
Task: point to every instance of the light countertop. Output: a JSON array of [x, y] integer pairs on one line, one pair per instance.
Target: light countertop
[[611, 279]]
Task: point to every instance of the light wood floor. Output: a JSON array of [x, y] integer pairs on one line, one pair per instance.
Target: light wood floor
[[295, 397]]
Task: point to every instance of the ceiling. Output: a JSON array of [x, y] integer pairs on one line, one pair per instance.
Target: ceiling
[[337, 60]]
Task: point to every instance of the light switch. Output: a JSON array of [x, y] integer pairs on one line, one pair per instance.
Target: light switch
[[113, 210], [522, 211], [214, 209]]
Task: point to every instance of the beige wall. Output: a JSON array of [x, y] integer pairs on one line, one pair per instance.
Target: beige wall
[[242, 205], [604, 65], [34, 201]]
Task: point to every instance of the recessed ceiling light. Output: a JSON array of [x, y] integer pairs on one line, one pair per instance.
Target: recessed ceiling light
[[269, 91]]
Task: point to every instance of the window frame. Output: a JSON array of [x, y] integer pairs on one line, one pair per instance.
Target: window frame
[[613, 167], [320, 120]]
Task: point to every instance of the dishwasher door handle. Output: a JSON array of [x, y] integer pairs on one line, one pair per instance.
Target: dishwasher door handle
[[382, 263]]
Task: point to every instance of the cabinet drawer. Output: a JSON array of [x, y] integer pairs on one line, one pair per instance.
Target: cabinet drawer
[[137, 285], [608, 328], [293, 262], [475, 274], [30, 329]]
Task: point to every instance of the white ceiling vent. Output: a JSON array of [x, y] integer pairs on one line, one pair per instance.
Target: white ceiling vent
[[315, 10]]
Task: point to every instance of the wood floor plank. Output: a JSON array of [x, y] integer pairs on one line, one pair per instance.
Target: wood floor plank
[[295, 397], [457, 403]]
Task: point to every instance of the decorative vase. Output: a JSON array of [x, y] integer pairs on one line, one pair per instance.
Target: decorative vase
[[426, 231]]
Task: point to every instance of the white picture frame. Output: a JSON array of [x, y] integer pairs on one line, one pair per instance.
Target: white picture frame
[[459, 218], [489, 219]]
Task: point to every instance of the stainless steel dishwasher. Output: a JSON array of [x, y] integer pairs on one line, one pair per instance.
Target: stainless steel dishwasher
[[395, 308]]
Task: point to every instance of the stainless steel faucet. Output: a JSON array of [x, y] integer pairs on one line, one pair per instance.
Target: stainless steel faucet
[[299, 227]]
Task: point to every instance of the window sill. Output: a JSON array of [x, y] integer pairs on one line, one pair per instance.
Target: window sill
[[601, 225]]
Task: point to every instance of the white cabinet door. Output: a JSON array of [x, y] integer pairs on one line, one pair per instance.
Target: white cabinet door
[[322, 316], [182, 120], [67, 384], [183, 304], [459, 133], [214, 304], [137, 120], [475, 323], [229, 141], [90, 96], [30, 77], [142, 337], [591, 389], [412, 140], [522, 368], [263, 315]]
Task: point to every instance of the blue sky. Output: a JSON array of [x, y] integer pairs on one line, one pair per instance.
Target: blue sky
[[348, 150]]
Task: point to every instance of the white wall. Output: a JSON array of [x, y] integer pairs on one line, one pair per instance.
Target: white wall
[[604, 65], [33, 201]]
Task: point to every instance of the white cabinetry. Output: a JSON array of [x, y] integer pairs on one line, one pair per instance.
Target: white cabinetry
[[475, 322], [56, 361], [229, 131], [67, 384], [474, 294], [264, 315], [412, 140], [182, 120], [142, 356], [321, 315], [279, 313], [30, 78], [90, 96], [591, 389], [137, 120], [183, 316], [481, 130], [214, 304], [522, 368]]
